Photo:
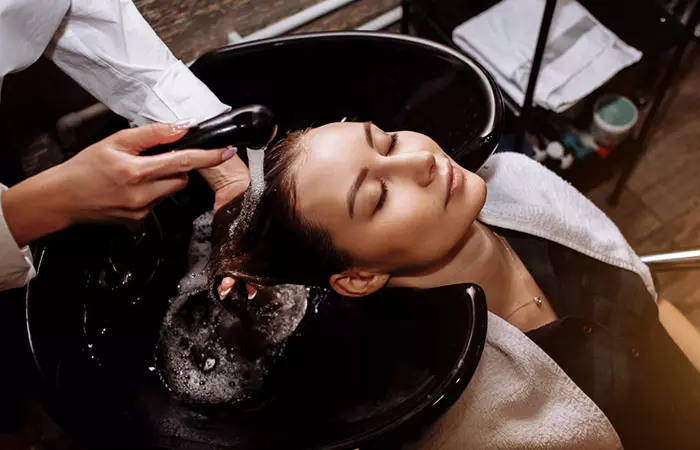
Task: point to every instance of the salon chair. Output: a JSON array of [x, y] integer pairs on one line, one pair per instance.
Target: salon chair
[[355, 374]]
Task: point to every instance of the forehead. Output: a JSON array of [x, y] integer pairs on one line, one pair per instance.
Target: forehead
[[332, 161], [335, 140]]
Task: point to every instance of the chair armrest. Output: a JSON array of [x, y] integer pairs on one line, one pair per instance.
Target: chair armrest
[[689, 259], [681, 330]]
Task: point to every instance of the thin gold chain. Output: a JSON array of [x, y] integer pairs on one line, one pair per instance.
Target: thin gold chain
[[536, 298]]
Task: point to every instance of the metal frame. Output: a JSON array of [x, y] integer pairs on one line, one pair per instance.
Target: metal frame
[[527, 108], [689, 259], [639, 144]]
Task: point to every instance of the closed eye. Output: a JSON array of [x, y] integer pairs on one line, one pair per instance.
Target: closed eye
[[382, 197], [392, 143]]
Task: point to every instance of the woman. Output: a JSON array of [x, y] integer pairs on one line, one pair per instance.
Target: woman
[[360, 209]]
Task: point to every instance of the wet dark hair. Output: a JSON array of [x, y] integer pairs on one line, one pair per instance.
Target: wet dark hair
[[279, 247]]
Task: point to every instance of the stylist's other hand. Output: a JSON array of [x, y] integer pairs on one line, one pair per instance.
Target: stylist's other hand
[[110, 180], [107, 182], [228, 180], [228, 283]]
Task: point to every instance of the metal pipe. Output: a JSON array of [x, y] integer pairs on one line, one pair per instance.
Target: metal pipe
[[675, 260], [527, 106], [296, 20], [383, 21]]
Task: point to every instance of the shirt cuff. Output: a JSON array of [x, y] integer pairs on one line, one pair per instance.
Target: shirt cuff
[[179, 95], [16, 265]]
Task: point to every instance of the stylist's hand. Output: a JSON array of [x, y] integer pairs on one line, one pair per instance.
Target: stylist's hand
[[107, 182], [227, 180]]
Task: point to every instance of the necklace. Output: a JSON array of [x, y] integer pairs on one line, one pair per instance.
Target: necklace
[[536, 298]]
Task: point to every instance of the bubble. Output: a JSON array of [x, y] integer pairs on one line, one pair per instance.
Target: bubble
[[198, 255], [199, 359], [200, 374], [277, 312], [209, 364]]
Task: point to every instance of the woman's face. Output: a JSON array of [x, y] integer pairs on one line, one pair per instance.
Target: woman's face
[[396, 203]]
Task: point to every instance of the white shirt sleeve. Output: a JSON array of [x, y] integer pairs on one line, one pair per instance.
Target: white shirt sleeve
[[112, 52], [16, 267]]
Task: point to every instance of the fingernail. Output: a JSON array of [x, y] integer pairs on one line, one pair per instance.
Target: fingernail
[[251, 295], [184, 124], [225, 293], [229, 153]]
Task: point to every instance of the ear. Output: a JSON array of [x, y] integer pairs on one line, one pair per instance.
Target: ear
[[358, 283]]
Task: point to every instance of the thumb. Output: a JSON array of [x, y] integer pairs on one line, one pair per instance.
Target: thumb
[[136, 140]]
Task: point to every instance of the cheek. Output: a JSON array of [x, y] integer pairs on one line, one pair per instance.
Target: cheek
[[410, 230], [476, 193], [411, 213]]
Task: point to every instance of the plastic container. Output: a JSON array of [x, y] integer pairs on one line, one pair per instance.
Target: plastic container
[[614, 116]]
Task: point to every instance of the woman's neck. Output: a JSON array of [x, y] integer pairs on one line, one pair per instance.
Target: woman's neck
[[480, 259]]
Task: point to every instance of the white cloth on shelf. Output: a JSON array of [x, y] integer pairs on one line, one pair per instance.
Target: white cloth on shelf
[[581, 54]]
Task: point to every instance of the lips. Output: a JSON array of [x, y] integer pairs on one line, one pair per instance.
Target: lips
[[455, 180]]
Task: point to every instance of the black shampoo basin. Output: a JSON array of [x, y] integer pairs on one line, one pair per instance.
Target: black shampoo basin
[[361, 374]]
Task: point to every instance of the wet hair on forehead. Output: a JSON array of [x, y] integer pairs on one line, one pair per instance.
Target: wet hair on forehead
[[295, 156]]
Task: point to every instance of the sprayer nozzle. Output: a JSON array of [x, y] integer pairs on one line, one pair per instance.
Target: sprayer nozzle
[[251, 126]]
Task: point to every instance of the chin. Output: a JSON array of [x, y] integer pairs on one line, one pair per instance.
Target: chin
[[475, 195]]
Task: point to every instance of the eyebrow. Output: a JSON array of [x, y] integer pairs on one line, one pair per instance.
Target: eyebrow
[[368, 134], [352, 193]]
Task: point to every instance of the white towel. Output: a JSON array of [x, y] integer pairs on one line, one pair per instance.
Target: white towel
[[519, 399], [581, 54], [523, 195]]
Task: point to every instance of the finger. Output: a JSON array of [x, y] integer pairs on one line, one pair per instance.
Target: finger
[[136, 140], [225, 287], [154, 191], [252, 291], [182, 161]]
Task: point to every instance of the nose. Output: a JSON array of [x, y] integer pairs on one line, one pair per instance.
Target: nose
[[419, 166]]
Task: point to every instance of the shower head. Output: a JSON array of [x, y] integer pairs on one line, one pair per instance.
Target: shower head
[[251, 126]]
